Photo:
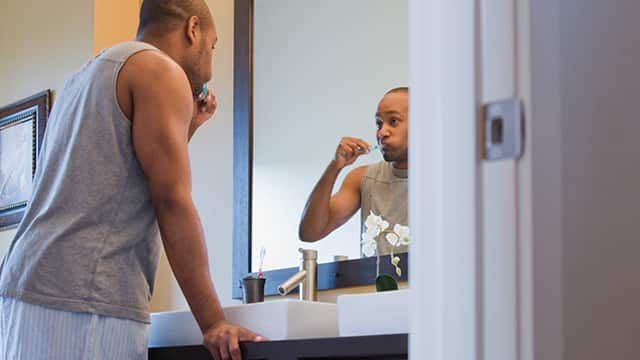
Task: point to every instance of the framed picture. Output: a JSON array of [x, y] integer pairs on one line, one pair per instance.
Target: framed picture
[[22, 127]]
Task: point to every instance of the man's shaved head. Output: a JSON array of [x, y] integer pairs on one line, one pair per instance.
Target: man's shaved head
[[398, 89], [162, 16]]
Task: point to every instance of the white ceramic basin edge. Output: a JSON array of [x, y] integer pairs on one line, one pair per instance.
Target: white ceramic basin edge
[[377, 313], [277, 320]]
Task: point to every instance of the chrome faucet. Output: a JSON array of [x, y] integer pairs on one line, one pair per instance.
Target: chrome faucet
[[307, 277]]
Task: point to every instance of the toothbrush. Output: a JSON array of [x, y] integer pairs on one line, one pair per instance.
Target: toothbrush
[[204, 92], [263, 252], [370, 148]]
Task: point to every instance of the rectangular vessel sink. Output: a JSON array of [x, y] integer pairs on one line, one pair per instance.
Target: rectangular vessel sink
[[377, 313], [276, 320]]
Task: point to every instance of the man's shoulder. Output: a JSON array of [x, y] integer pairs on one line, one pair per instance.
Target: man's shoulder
[[146, 76], [353, 180], [153, 63], [146, 70], [359, 171]]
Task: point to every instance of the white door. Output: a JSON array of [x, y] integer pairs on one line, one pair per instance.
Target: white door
[[470, 274], [534, 259], [585, 88]]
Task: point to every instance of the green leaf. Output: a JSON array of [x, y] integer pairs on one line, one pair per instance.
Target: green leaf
[[386, 283]]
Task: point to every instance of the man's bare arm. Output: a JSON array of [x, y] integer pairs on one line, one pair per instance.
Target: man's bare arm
[[323, 213], [163, 109]]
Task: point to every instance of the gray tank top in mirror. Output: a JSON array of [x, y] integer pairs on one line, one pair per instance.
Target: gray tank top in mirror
[[384, 191]]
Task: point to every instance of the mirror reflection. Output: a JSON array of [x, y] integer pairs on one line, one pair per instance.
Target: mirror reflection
[[328, 85]]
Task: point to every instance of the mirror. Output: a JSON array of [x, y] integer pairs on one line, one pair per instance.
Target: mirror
[[306, 74]]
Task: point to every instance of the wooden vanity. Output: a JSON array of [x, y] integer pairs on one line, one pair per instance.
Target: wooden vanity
[[378, 347]]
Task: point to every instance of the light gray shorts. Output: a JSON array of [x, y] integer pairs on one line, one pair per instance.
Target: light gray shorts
[[34, 332]]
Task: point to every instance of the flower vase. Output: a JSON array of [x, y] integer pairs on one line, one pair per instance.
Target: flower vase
[[385, 282]]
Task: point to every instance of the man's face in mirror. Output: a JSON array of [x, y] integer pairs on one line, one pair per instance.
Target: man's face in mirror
[[392, 127]]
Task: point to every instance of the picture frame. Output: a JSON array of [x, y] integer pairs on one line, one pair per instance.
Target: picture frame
[[22, 127]]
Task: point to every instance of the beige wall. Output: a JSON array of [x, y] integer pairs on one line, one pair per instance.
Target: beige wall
[[114, 21], [42, 43]]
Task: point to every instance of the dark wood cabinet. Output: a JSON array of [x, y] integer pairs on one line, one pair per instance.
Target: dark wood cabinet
[[378, 347]]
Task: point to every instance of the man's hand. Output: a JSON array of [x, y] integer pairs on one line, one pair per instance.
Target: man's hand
[[203, 110], [349, 150], [223, 339]]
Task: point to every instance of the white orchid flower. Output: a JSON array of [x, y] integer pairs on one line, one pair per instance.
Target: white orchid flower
[[374, 227], [367, 237], [382, 225], [370, 233], [402, 232], [369, 246], [375, 223], [393, 238], [370, 224]]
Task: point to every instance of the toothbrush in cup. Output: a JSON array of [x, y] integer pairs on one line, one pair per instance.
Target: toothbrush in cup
[[263, 252]]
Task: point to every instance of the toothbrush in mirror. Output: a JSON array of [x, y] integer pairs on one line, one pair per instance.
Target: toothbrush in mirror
[[369, 149]]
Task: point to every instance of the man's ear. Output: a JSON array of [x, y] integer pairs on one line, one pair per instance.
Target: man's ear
[[193, 29]]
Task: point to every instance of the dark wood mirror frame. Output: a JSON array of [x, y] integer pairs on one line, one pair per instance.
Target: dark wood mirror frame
[[333, 275]]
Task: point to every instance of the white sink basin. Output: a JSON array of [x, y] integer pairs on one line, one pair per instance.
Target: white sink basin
[[276, 320], [375, 313]]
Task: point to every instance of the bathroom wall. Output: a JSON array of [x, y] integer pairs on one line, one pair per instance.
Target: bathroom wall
[[41, 43]]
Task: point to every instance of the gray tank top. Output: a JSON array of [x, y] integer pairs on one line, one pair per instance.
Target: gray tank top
[[384, 190], [89, 240]]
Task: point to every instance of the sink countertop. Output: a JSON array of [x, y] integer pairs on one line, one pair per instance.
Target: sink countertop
[[284, 319]]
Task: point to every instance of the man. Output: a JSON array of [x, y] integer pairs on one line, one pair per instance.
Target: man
[[379, 188], [114, 169]]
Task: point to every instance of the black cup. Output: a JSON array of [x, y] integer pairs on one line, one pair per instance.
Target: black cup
[[252, 289]]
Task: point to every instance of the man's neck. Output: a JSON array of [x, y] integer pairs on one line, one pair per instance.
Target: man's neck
[[165, 43], [402, 165]]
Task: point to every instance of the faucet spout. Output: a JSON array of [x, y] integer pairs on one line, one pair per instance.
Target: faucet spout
[[292, 282], [307, 277]]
